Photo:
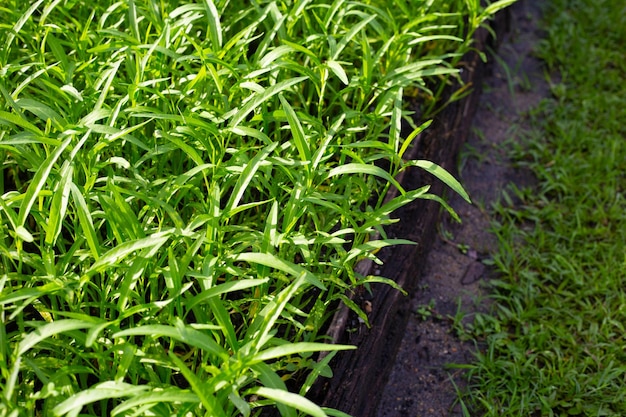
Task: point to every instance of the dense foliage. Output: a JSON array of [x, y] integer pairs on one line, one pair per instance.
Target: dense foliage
[[187, 187]]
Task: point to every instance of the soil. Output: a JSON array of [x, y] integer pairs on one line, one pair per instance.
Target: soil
[[456, 268]]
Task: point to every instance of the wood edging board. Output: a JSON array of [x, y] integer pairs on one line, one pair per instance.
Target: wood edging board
[[360, 375]]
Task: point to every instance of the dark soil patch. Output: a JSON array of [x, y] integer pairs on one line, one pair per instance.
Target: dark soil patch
[[450, 289]]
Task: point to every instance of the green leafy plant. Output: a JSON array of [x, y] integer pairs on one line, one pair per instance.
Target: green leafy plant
[[186, 190]]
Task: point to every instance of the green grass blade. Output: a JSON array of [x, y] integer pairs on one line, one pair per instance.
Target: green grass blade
[[335, 413], [379, 214], [224, 320], [12, 216], [106, 79], [396, 121], [258, 334], [373, 245], [132, 20], [270, 379], [189, 150], [253, 133]]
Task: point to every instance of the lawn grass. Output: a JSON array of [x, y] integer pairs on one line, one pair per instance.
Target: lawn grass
[[187, 187], [555, 343]]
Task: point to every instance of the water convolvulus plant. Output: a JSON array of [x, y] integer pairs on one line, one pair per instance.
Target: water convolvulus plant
[[186, 188]]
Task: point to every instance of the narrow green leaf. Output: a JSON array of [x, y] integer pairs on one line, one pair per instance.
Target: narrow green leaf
[[355, 308], [132, 20], [181, 333], [26, 293], [496, 6], [50, 329], [260, 98], [297, 348], [106, 77], [270, 379], [18, 26], [215, 27], [189, 150], [109, 389], [445, 205], [245, 178], [370, 279], [440, 37], [225, 288], [58, 207], [348, 36], [297, 133], [280, 264], [270, 235], [395, 128], [321, 150], [85, 220], [42, 111], [199, 387], [290, 399], [241, 404], [18, 121], [443, 175], [380, 216], [321, 368], [356, 168], [157, 396], [224, 319], [259, 332], [38, 182], [409, 140], [338, 70], [274, 55], [254, 133], [335, 413], [115, 255], [373, 245], [24, 234]]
